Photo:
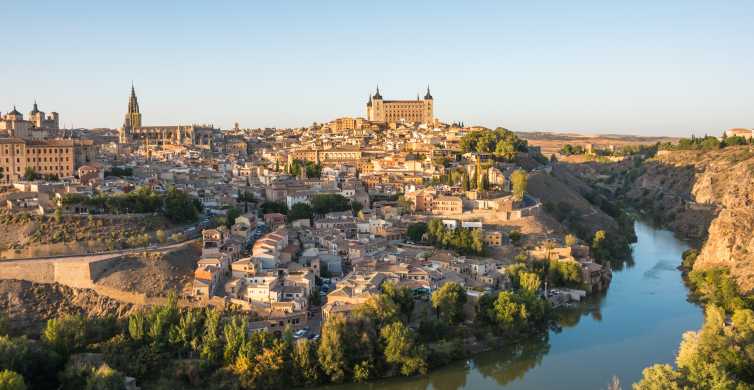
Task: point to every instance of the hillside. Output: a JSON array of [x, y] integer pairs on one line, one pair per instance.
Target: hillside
[[705, 195]]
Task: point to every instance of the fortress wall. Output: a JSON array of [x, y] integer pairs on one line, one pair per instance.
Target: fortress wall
[[44, 272]]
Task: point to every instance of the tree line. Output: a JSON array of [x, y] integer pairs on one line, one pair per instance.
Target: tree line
[[174, 204]]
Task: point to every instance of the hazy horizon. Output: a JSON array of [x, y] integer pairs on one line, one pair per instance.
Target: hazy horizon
[[640, 68]]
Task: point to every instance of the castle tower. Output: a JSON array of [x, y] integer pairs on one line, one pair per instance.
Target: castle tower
[[428, 107], [376, 107]]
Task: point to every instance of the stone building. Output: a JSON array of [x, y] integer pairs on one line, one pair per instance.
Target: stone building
[[59, 157], [395, 111], [38, 126], [133, 131]]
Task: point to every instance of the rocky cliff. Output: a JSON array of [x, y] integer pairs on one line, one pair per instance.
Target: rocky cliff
[[27, 306], [707, 195]]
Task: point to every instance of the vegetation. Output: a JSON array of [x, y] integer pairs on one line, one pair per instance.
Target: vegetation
[[448, 302], [704, 143], [274, 207], [569, 150], [719, 356], [715, 287], [176, 205], [119, 172], [311, 169], [519, 181], [10, 380], [465, 241], [501, 142], [300, 211], [327, 203], [415, 231]]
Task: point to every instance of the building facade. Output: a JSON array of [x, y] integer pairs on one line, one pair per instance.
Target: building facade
[[57, 157], [396, 111], [133, 131], [38, 126]]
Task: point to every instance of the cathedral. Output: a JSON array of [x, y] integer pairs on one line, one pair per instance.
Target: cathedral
[[396, 111], [133, 132]]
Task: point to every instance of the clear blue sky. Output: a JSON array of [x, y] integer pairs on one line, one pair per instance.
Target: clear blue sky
[[642, 67]]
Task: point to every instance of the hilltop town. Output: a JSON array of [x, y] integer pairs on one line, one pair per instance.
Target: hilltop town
[[288, 230]]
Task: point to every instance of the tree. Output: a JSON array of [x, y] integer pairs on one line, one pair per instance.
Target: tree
[[306, 371], [416, 231], [66, 334], [326, 203], [30, 174], [530, 282], [179, 207], [187, 332], [161, 236], [332, 350], [660, 377], [300, 211], [570, 240], [448, 302], [380, 308], [211, 343], [274, 207], [519, 182], [401, 350], [509, 313], [356, 207], [401, 295], [235, 337], [105, 378], [230, 216], [600, 250], [10, 380]]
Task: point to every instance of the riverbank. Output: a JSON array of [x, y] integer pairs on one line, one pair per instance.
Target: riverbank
[[637, 322]]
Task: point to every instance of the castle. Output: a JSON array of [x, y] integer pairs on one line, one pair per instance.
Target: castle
[[133, 132], [38, 126], [396, 111]]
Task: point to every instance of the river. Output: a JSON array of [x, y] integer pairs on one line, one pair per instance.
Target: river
[[638, 322]]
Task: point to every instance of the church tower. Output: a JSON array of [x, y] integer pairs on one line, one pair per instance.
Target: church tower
[[133, 118]]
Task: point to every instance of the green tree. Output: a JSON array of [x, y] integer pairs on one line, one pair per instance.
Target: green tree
[[137, 326], [30, 174], [326, 203], [332, 349], [186, 334], [401, 350], [105, 378], [274, 207], [570, 240], [600, 249], [66, 334], [179, 207], [235, 337], [401, 295], [10, 380], [660, 377], [306, 371], [300, 211], [211, 343], [530, 282], [509, 313], [231, 215], [519, 181], [448, 302], [415, 231], [161, 236]]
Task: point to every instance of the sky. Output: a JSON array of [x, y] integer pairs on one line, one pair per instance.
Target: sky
[[630, 67]]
